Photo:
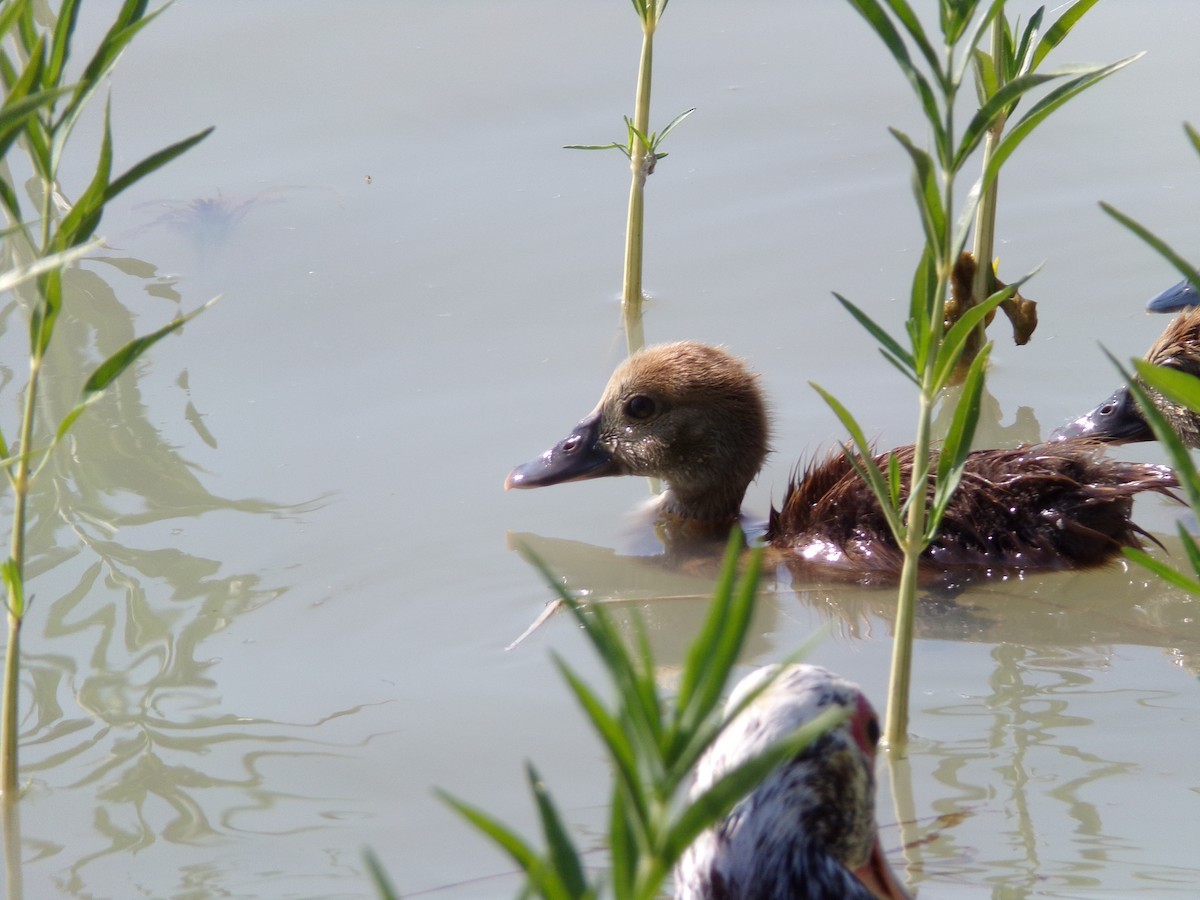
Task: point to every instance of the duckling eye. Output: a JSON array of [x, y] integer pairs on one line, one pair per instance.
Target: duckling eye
[[640, 407]]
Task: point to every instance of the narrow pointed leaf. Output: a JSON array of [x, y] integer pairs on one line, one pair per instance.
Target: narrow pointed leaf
[[1163, 248], [996, 105], [1178, 386], [106, 373], [539, 875], [1038, 113], [1193, 136], [1162, 570], [19, 275], [926, 190], [671, 126], [695, 666], [154, 161], [563, 857], [379, 877], [64, 28], [982, 24], [879, 21], [1060, 29], [890, 345], [863, 462], [1181, 459], [956, 338], [957, 445]]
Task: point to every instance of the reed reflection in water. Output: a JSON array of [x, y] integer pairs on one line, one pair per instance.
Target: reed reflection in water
[[118, 704]]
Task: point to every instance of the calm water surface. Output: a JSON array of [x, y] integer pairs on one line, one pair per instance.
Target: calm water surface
[[274, 578]]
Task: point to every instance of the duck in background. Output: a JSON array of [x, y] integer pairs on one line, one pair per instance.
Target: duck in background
[[1118, 420], [694, 416], [808, 830]]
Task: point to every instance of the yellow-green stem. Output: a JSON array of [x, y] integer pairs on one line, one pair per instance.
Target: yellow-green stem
[[985, 215], [640, 163], [895, 733], [8, 718], [13, 877], [16, 593]]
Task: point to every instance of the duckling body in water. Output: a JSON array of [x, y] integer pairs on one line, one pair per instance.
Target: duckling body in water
[[1118, 420], [808, 830], [694, 416]]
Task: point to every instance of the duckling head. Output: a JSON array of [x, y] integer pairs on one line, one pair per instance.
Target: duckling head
[[688, 413]]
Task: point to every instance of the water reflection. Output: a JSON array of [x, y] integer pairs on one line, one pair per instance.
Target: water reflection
[[118, 699]]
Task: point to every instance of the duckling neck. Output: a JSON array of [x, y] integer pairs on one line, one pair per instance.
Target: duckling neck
[[709, 506]]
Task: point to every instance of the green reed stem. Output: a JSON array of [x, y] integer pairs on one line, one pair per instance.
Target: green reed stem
[[641, 163], [984, 244]]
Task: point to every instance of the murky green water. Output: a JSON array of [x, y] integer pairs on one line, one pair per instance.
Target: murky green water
[[274, 581]]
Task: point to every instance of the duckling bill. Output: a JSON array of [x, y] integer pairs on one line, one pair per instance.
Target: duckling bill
[[694, 416]]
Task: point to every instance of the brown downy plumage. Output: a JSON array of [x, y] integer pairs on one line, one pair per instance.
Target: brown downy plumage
[[1119, 421], [694, 416]]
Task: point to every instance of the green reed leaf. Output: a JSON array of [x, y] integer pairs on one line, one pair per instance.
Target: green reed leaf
[[971, 43], [540, 876], [564, 858], [986, 78], [1193, 136], [1176, 385], [60, 45], [956, 337], [20, 274], [1166, 572], [905, 15], [927, 190], [1177, 452], [1021, 57], [873, 12], [996, 106], [1162, 247], [1043, 108], [891, 346], [153, 162], [611, 732], [14, 595], [1060, 29], [957, 445], [700, 684], [863, 462], [379, 877]]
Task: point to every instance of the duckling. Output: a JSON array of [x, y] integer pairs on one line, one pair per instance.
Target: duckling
[[808, 829], [1119, 421], [694, 416]]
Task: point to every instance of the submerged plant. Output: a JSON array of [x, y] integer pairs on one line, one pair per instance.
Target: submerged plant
[[930, 351], [41, 109]]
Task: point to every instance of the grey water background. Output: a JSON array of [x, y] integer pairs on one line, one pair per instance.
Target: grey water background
[[275, 580]]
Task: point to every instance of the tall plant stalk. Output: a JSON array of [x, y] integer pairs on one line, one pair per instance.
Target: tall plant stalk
[[641, 147], [40, 111], [641, 165], [936, 344]]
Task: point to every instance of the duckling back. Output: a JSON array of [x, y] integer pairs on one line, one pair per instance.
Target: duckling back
[[1048, 506]]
